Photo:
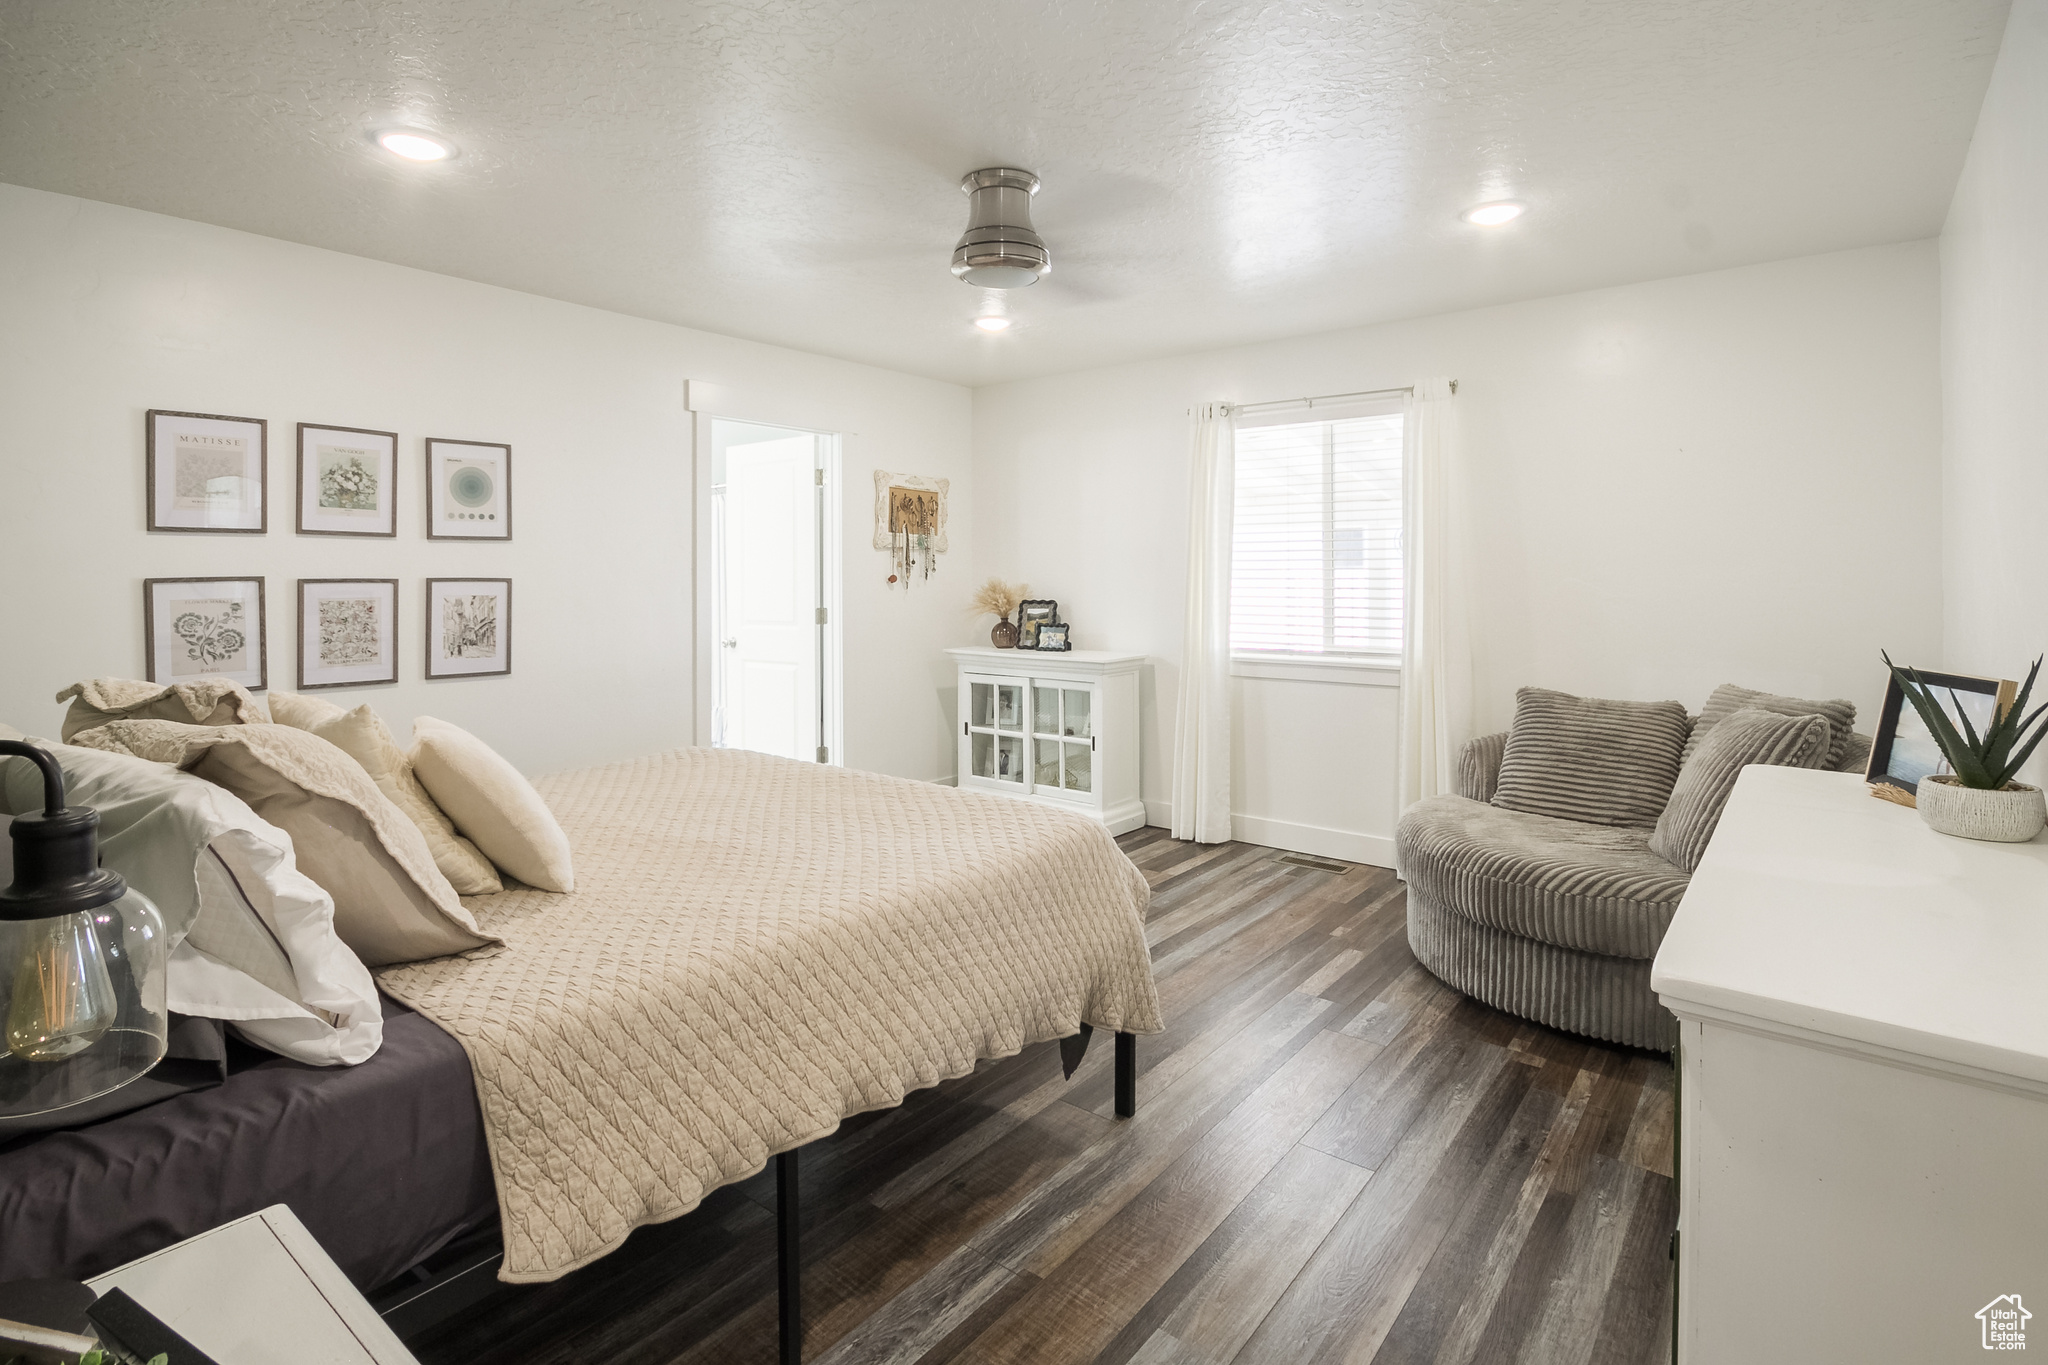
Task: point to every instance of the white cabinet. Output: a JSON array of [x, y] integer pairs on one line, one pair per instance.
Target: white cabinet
[[1863, 1083], [1057, 728]]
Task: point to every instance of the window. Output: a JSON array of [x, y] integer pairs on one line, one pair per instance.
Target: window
[[1315, 565]]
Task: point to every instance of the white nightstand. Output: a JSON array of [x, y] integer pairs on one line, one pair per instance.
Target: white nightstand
[[256, 1291]]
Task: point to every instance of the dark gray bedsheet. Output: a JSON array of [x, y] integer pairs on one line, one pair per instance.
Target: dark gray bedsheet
[[383, 1162]]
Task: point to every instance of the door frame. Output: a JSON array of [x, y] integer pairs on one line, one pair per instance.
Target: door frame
[[831, 569]]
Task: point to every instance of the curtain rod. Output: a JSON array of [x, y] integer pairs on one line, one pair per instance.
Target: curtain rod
[[1328, 398]]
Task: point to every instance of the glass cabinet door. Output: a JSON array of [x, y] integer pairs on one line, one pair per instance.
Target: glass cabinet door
[[1080, 762], [1077, 707], [996, 731], [1063, 729], [1046, 767]]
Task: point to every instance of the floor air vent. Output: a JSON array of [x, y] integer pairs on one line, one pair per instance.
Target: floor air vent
[[1319, 864]]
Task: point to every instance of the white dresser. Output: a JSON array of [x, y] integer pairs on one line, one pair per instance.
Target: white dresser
[[1863, 1072], [1057, 728]]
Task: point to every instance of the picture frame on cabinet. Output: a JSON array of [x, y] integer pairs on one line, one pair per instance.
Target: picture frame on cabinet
[[196, 628], [1052, 636], [469, 490], [469, 627], [348, 632], [206, 473], [1031, 614], [348, 481]]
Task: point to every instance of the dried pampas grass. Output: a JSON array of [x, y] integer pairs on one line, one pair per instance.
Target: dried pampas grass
[[997, 598]]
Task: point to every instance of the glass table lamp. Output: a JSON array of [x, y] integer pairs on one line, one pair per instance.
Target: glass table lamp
[[82, 962]]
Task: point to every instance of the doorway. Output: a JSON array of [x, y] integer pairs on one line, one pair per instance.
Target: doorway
[[775, 578]]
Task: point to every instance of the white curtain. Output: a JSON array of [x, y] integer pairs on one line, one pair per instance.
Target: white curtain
[[1435, 661], [1201, 728]]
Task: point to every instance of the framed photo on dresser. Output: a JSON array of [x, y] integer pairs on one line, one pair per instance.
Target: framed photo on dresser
[[204, 628], [348, 484], [206, 472], [469, 627], [1904, 750], [348, 632], [469, 490]]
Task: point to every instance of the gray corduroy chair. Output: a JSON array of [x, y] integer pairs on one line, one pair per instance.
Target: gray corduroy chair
[[1548, 919]]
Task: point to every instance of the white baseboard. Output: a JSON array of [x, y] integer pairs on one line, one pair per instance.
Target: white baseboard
[[1375, 850], [949, 780]]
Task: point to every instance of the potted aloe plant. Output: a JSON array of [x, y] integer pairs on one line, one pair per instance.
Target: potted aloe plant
[[1979, 800]]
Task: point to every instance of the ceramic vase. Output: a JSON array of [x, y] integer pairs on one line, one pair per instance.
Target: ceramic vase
[[1004, 635], [2011, 816]]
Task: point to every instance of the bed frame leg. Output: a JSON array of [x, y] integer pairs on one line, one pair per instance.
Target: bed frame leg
[[1126, 1075], [789, 1265]]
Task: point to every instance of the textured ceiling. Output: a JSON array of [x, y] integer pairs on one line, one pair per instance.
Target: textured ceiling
[[1215, 172]]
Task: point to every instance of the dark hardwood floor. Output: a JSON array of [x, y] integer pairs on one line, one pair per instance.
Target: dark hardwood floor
[[1335, 1158]]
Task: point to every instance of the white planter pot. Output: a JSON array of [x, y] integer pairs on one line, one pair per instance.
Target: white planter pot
[[2012, 816]]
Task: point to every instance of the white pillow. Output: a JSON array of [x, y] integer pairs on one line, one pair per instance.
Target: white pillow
[[491, 804], [252, 938]]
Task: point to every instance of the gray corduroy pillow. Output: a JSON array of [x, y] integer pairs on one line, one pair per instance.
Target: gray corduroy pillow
[[1583, 758], [1727, 699], [1748, 736]]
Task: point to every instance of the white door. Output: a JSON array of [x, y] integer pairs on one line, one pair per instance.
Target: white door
[[770, 593]]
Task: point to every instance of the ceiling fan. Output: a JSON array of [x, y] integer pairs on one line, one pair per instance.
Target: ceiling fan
[[1001, 250]]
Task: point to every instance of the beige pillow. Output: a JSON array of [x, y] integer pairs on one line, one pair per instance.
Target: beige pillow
[[492, 804], [204, 701], [391, 904], [361, 734], [301, 713]]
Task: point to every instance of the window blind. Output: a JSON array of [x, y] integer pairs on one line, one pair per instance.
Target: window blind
[[1315, 563]]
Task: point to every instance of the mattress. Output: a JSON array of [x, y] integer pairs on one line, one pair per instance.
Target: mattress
[[755, 949], [384, 1162]]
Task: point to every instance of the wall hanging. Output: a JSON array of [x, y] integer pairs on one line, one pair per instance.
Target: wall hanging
[[469, 627], [347, 481], [469, 490], [204, 628], [348, 632], [206, 472], [910, 522]]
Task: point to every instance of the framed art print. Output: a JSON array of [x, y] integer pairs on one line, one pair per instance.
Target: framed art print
[[206, 472], [1903, 750], [348, 632], [348, 481], [204, 628], [469, 627], [469, 490]]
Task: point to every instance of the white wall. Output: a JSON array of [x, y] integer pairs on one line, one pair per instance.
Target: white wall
[[1994, 330], [110, 311], [1723, 477]]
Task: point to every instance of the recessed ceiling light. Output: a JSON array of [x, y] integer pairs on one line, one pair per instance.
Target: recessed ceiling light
[[1494, 214], [992, 324], [414, 145]]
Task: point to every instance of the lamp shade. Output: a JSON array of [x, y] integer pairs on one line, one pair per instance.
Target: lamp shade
[[82, 961]]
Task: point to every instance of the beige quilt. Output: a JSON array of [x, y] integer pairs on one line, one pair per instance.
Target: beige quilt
[[755, 949]]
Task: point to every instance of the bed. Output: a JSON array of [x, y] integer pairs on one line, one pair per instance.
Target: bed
[[755, 949], [384, 1162]]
